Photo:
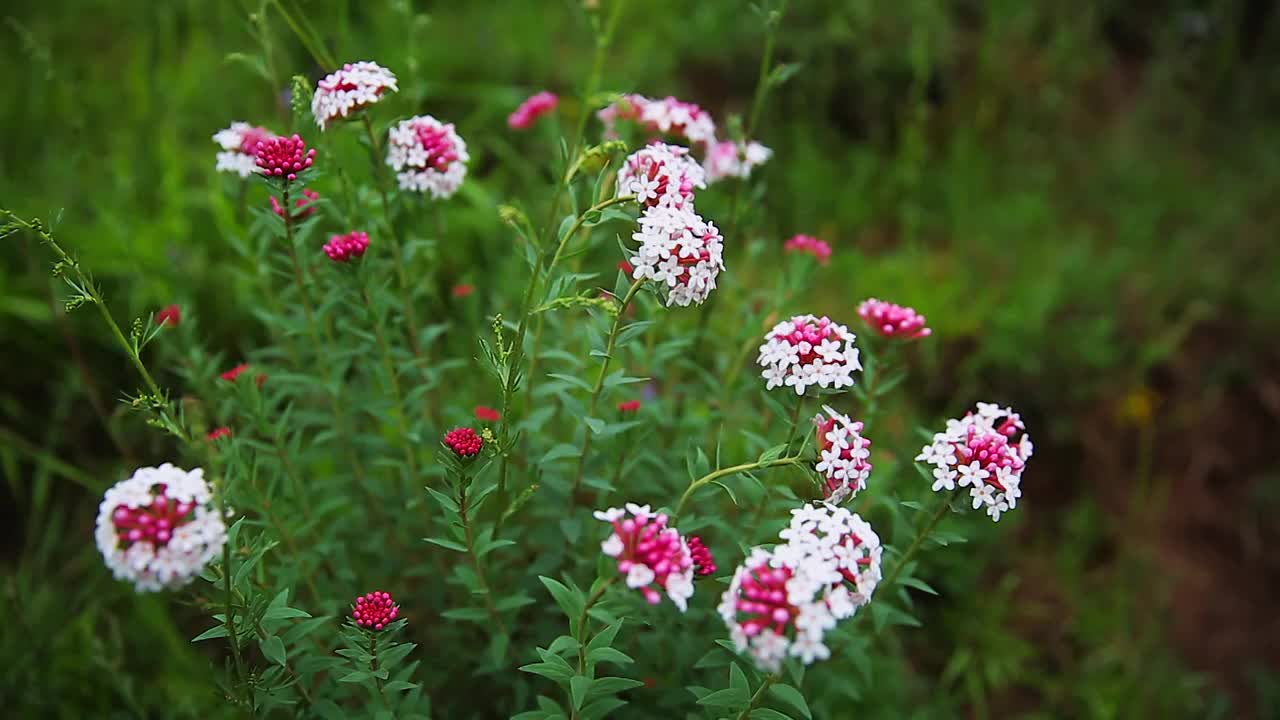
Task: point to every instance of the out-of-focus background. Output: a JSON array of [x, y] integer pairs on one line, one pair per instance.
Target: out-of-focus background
[[1081, 196]]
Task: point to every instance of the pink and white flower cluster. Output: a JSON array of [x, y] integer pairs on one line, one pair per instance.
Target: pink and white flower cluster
[[672, 117], [781, 603], [806, 351], [159, 528], [734, 159], [351, 89], [844, 455], [985, 451], [893, 321], [239, 145], [660, 174], [652, 556], [810, 245], [679, 249], [428, 156]]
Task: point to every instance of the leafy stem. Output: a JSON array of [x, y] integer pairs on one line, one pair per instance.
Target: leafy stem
[[732, 470], [475, 558], [768, 682], [388, 367], [600, 378]]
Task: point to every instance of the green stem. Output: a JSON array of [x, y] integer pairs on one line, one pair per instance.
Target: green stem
[[388, 367], [523, 328], [475, 560], [600, 378], [914, 546], [723, 472], [582, 631], [759, 694], [795, 420], [377, 681], [229, 620], [406, 295]]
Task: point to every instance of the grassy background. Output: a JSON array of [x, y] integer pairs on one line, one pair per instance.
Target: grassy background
[[1080, 196]]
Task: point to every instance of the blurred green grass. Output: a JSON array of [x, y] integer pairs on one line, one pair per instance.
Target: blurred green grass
[[1080, 197]]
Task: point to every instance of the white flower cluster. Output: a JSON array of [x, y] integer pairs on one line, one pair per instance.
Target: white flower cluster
[[844, 455], [734, 159], [806, 351], [679, 249], [782, 602], [650, 555], [671, 115], [660, 174], [356, 86], [159, 528], [239, 143], [980, 452], [428, 156]]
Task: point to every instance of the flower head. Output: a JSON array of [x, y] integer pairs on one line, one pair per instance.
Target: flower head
[[680, 250], [284, 157], [239, 145], [659, 174], [219, 433], [811, 245], [668, 116], [650, 555], [303, 206], [463, 290], [428, 156], [703, 562], [531, 109], [159, 528], [487, 414], [629, 406], [806, 351], [344, 248], [375, 610], [893, 321], [235, 372], [464, 441], [351, 89], [843, 454], [727, 159], [171, 316], [985, 451], [781, 603]]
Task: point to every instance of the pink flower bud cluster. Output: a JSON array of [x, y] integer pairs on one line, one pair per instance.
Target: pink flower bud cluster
[[159, 528], [660, 174], [239, 145], [284, 157], [781, 603], [428, 156], [893, 321], [303, 206], [375, 610], [806, 351], [531, 109], [345, 248], [652, 556], [171, 316], [464, 441], [811, 245], [349, 90], [985, 451], [704, 563], [843, 455]]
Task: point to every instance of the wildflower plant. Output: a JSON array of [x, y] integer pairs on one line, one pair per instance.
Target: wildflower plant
[[480, 451]]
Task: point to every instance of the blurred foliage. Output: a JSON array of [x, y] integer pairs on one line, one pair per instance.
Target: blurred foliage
[[1081, 196]]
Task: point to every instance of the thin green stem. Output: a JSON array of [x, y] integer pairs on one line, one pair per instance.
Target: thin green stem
[[600, 378], [406, 294], [795, 420], [582, 631], [769, 680], [475, 560], [377, 681], [914, 546], [229, 621], [388, 367], [731, 470]]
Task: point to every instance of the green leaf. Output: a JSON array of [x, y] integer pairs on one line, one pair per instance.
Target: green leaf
[[447, 544], [724, 487], [399, 685], [273, 650], [564, 644], [217, 631], [595, 424], [572, 380], [563, 450], [613, 685], [605, 637], [918, 584], [727, 698], [579, 686], [570, 602], [792, 697], [738, 678], [445, 501], [609, 655], [769, 714], [549, 671], [356, 676], [479, 615], [772, 453]]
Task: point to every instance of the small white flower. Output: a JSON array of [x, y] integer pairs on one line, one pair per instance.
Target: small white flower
[[809, 648], [944, 478], [972, 475], [609, 515], [612, 546], [350, 89], [983, 495]]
